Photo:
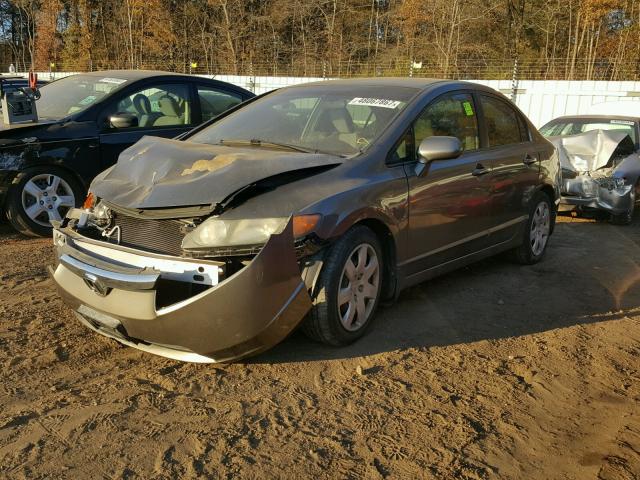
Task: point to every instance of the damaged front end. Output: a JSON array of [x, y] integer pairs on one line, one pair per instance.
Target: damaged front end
[[600, 190], [129, 282], [156, 259], [594, 171]]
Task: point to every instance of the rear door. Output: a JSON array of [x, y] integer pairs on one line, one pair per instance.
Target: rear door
[[449, 204], [163, 109], [514, 162]]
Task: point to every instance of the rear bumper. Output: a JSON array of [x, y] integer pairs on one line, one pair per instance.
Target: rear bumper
[[245, 314]]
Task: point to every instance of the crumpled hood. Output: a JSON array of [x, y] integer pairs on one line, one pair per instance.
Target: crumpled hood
[[162, 173], [590, 151]]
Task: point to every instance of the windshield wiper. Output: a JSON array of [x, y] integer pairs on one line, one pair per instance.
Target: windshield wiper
[[256, 142]]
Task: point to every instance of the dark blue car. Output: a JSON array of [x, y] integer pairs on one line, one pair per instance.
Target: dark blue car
[[84, 122]]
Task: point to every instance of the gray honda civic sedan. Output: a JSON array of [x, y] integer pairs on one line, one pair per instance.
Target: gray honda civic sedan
[[306, 207]]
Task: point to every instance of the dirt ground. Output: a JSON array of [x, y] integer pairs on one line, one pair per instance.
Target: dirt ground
[[495, 371]]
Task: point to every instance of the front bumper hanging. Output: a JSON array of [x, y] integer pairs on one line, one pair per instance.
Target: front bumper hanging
[[242, 315]]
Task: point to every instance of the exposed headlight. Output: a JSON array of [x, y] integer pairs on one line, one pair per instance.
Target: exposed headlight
[[589, 187], [611, 183], [231, 233], [102, 213], [216, 232]]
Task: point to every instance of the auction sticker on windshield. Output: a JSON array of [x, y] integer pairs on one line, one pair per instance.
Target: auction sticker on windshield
[[622, 122], [376, 102]]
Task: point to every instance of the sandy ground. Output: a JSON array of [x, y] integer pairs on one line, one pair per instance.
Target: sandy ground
[[495, 371]]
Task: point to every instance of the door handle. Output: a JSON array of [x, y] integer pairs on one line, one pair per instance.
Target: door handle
[[480, 170], [529, 160]]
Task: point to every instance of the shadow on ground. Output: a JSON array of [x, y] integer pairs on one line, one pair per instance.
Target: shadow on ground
[[591, 274]]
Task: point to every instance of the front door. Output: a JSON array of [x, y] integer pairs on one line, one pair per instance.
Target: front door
[[163, 110], [449, 204]]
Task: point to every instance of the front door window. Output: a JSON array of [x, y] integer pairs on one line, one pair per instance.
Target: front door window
[[158, 106], [453, 116]]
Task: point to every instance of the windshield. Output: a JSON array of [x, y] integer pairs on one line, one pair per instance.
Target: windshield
[[74, 94], [573, 126], [328, 118]]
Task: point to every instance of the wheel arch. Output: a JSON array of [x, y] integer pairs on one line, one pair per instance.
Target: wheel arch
[[59, 166]]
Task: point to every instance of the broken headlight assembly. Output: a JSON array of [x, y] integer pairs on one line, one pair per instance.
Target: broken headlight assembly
[[94, 213], [611, 183], [216, 233]]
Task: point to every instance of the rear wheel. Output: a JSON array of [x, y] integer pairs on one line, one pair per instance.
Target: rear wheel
[[41, 195], [537, 231], [347, 293]]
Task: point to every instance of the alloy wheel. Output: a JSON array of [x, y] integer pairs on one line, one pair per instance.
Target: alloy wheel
[[540, 227], [47, 197], [358, 288]]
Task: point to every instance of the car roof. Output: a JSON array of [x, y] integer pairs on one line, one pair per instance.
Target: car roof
[[133, 74], [596, 117], [407, 82]]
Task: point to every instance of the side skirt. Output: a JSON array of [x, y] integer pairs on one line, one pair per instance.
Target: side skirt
[[454, 264]]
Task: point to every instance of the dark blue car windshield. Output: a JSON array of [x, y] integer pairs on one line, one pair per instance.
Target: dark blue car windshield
[[74, 94]]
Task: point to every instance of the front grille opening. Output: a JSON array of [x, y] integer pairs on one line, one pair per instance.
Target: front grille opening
[[156, 236], [150, 235], [170, 292]]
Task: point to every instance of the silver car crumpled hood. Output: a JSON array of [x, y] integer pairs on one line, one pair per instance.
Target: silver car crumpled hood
[[592, 165], [163, 173], [589, 151]]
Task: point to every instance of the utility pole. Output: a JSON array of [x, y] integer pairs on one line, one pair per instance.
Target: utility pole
[[514, 80]]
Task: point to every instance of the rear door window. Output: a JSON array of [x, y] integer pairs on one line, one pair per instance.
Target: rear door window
[[213, 102], [502, 122]]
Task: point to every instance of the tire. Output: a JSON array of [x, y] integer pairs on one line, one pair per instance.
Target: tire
[[537, 232], [42, 194], [341, 319], [627, 217]]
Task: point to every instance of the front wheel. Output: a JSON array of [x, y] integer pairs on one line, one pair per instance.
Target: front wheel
[[41, 195], [627, 217], [347, 293], [537, 231]]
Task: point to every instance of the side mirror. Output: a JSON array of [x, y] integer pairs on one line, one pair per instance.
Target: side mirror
[[437, 148], [123, 120]]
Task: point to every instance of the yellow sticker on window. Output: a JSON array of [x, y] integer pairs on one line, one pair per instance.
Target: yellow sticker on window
[[468, 109]]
